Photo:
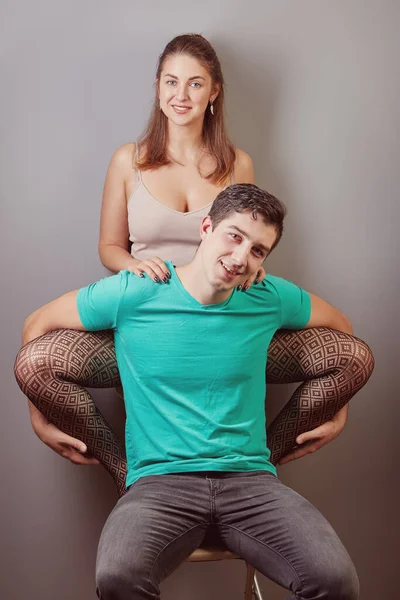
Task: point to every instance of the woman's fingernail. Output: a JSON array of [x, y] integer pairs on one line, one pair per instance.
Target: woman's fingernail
[[239, 287], [244, 288], [169, 275], [141, 275], [157, 279], [256, 281], [165, 279]]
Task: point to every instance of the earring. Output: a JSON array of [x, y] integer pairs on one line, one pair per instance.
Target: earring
[[212, 108]]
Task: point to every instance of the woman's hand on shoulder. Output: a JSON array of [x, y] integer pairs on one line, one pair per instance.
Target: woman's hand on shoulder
[[259, 276], [154, 267], [244, 170]]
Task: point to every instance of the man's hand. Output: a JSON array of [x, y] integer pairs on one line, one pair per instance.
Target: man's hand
[[313, 440], [62, 443]]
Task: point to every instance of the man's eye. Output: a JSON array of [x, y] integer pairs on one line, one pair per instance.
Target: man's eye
[[258, 252]]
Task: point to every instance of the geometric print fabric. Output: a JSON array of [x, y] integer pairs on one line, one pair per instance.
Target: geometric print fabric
[[54, 370]]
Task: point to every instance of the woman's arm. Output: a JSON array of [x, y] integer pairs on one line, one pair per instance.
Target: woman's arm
[[114, 232], [114, 228]]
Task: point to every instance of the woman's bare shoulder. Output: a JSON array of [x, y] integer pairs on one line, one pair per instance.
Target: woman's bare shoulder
[[124, 156], [244, 170]]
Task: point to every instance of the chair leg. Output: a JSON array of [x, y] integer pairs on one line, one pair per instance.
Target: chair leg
[[256, 589], [252, 590], [248, 591]]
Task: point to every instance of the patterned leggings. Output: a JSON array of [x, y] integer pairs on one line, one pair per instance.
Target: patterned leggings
[[54, 370]]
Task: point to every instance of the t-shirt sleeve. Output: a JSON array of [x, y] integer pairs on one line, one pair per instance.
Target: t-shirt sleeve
[[295, 305], [98, 303]]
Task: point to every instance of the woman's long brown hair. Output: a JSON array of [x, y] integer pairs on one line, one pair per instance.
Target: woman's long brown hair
[[215, 141]]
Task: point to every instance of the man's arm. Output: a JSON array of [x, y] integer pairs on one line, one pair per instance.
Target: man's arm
[[92, 308], [322, 314], [61, 313]]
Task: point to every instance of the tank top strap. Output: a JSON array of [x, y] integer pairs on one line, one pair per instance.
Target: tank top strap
[[138, 173]]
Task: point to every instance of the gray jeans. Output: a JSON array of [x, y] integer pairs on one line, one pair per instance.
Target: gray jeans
[[163, 518]]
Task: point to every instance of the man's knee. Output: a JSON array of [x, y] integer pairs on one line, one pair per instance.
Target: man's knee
[[344, 584], [124, 578], [111, 584], [337, 581]]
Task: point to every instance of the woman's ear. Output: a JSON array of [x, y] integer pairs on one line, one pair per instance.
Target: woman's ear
[[215, 92]]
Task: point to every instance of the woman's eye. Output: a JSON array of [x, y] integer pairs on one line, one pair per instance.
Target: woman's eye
[[195, 84], [234, 236], [171, 82]]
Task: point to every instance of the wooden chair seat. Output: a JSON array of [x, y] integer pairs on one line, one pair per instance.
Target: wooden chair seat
[[208, 553], [217, 551]]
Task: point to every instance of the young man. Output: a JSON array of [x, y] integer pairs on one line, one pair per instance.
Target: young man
[[192, 357]]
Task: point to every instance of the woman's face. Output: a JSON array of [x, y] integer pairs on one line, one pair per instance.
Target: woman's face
[[185, 89]]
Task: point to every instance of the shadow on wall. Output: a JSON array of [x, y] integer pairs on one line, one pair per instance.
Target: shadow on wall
[[253, 91]]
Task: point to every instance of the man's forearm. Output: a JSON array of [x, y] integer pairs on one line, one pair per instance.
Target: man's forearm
[[342, 414], [37, 418]]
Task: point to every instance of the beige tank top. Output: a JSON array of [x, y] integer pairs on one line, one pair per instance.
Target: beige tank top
[[158, 230]]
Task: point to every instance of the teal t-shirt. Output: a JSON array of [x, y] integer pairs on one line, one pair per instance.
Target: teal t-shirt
[[193, 375]]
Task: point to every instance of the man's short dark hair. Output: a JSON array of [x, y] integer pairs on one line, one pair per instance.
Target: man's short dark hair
[[240, 197]]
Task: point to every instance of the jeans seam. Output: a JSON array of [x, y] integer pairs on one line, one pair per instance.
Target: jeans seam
[[169, 543], [269, 547]]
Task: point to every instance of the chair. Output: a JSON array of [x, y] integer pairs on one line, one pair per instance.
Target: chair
[[217, 551]]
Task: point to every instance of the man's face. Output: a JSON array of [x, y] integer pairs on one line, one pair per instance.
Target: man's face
[[235, 249]]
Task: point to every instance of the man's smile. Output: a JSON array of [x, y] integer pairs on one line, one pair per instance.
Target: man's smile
[[230, 271]]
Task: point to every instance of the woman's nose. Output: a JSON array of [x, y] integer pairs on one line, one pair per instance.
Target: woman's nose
[[182, 92]]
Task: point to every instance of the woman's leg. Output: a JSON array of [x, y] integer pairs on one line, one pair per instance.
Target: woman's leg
[[52, 370], [333, 367]]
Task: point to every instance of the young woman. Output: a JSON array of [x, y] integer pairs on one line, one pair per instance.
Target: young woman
[[156, 193]]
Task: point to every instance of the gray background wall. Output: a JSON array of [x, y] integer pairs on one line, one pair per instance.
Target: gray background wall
[[313, 96]]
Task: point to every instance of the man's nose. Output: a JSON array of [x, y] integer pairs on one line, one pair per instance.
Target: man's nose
[[240, 255]]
